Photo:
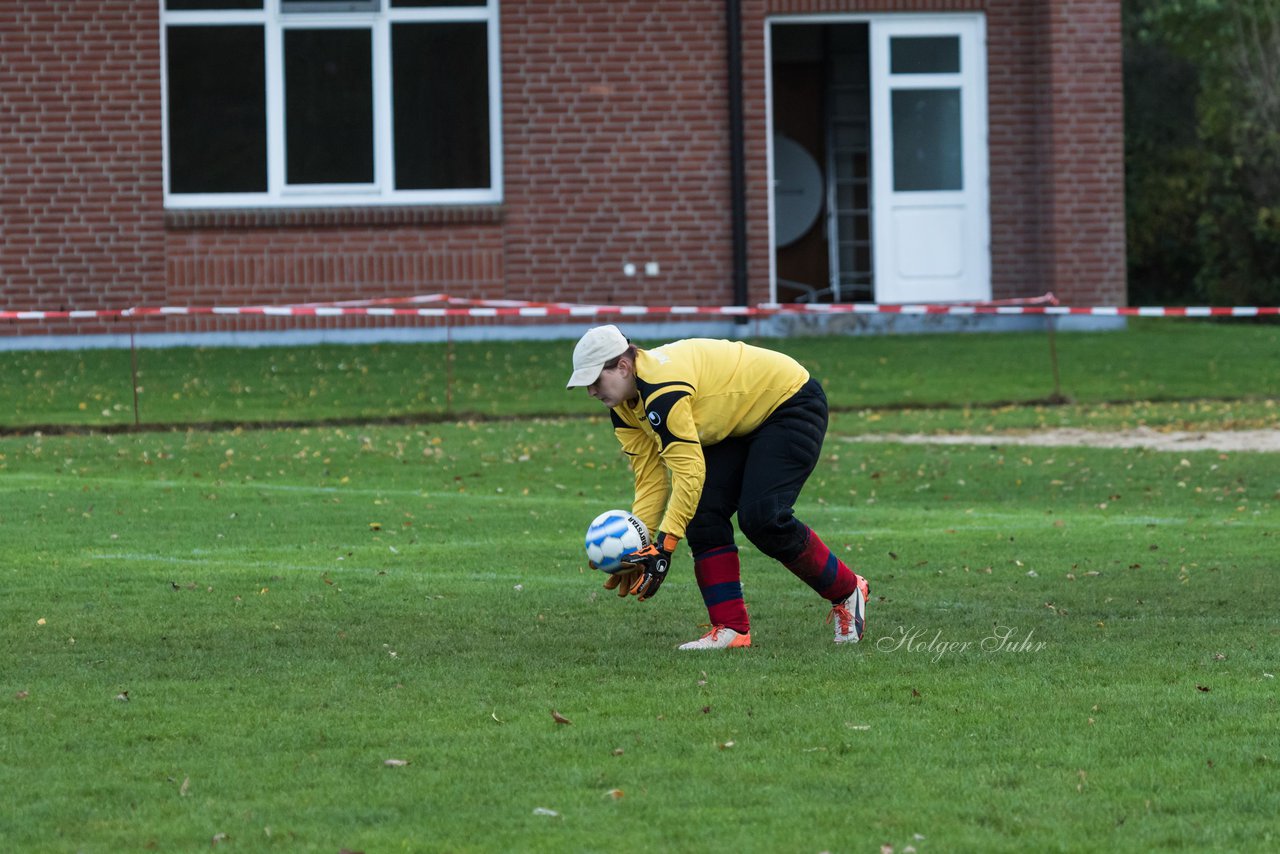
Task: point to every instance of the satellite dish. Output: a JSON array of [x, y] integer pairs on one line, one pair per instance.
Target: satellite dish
[[797, 190]]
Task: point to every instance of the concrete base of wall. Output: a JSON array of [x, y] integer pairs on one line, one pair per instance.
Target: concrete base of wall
[[780, 326]]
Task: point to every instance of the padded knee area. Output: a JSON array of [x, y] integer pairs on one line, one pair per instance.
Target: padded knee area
[[772, 527], [706, 532]]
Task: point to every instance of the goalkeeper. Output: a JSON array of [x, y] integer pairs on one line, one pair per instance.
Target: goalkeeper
[[714, 428]]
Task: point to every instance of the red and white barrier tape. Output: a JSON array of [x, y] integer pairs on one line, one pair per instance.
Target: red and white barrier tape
[[447, 306]]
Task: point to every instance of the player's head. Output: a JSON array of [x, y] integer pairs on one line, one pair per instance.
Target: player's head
[[604, 363]]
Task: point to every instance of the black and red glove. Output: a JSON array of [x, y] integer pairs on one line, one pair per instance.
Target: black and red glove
[[652, 563]]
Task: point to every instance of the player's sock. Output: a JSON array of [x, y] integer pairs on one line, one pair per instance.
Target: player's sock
[[818, 567], [719, 578]]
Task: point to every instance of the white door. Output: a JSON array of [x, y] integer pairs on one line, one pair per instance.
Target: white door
[[929, 172]]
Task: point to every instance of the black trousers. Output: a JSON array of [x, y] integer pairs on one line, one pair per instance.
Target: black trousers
[[759, 476]]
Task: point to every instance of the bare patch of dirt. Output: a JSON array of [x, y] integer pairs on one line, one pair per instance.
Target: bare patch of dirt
[[1265, 441]]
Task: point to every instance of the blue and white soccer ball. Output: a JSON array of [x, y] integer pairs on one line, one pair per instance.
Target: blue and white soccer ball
[[612, 536]]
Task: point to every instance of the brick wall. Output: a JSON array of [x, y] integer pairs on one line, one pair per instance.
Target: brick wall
[[1085, 151], [80, 191], [615, 128], [1017, 75], [616, 132], [247, 264]]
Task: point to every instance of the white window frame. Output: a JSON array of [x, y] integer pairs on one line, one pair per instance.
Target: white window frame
[[382, 191]]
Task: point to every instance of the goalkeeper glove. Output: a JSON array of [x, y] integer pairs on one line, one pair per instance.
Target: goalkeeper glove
[[623, 580], [653, 561]]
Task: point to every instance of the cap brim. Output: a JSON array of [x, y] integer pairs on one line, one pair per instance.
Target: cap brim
[[584, 376]]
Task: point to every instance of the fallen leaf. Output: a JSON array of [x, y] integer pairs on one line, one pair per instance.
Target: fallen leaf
[[1204, 688], [616, 794], [123, 696], [22, 695], [546, 812], [617, 751], [559, 718], [186, 785], [494, 715], [395, 763], [727, 745], [219, 837]]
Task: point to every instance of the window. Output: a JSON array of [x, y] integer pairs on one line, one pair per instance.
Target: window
[[927, 140], [284, 103]]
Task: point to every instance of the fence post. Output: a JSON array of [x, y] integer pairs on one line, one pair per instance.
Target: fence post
[[133, 371], [1052, 324]]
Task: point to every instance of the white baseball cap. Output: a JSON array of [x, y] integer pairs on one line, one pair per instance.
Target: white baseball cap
[[599, 345]]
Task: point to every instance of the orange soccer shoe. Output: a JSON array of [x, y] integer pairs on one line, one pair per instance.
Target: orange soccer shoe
[[719, 638]]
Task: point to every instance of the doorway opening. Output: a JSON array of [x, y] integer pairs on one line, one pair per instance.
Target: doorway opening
[[822, 163]]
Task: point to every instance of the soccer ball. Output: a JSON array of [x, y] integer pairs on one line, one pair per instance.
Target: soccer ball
[[613, 535]]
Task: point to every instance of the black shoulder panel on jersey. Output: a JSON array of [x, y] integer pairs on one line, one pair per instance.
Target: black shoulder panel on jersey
[[648, 389], [618, 423], [658, 409]]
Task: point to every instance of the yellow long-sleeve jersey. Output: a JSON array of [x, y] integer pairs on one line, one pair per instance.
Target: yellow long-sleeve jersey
[[692, 393]]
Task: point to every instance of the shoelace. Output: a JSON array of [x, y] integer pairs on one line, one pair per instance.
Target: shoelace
[[846, 619], [714, 634]]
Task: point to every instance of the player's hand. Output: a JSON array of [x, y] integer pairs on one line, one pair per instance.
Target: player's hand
[[653, 563], [623, 580]]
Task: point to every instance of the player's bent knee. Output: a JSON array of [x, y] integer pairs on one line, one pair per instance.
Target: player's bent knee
[[772, 528]]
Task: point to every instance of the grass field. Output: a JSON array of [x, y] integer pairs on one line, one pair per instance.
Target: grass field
[[220, 637], [1174, 371]]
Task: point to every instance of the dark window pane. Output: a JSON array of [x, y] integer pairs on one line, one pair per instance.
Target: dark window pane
[[422, 4], [926, 140], [202, 5], [924, 55], [330, 5], [440, 110], [217, 110], [328, 112]]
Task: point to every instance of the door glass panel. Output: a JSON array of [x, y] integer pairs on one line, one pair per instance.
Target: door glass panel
[[927, 147], [924, 55], [217, 110], [328, 90]]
